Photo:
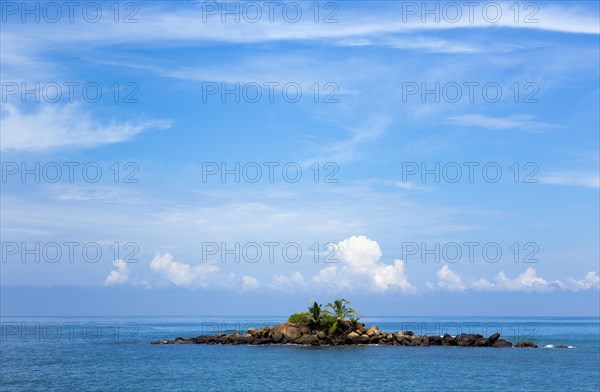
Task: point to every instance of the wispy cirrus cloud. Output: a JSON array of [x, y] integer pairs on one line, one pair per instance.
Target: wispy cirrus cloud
[[65, 126], [520, 122], [582, 179]]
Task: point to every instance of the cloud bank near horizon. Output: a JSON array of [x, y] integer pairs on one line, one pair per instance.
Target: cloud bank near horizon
[[359, 269]]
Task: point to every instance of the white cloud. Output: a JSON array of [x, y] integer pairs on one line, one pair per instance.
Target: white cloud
[[186, 24], [524, 122], [292, 282], [359, 267], [249, 283], [449, 280], [62, 126], [181, 274], [199, 276], [590, 281], [528, 281], [587, 180], [120, 275]]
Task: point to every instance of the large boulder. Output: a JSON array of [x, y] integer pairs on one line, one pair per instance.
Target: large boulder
[[261, 341], [307, 340], [373, 331], [448, 340], [482, 342], [240, 339], [526, 345], [501, 343], [259, 332], [494, 337], [467, 339], [363, 339], [290, 331], [277, 337], [352, 337]]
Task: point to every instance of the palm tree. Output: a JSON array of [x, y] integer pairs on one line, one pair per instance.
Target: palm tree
[[317, 314], [341, 312]]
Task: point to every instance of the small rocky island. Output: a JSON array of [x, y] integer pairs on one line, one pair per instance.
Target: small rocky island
[[340, 326]]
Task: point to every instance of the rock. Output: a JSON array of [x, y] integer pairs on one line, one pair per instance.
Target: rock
[[448, 340], [307, 340], [467, 339], [526, 345], [240, 339], [362, 339], [259, 332], [179, 340], [299, 333], [373, 331], [501, 343], [261, 341], [482, 342], [277, 337], [352, 337], [291, 331], [494, 337], [337, 341]]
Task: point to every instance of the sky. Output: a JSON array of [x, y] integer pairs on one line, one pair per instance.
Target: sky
[[202, 158]]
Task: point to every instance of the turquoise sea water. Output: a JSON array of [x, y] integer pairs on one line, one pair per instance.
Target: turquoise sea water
[[105, 353]]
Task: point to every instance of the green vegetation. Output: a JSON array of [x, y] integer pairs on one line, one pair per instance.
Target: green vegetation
[[323, 319], [317, 314], [301, 317], [341, 313]]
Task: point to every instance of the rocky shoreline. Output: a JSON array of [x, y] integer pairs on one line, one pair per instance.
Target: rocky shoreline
[[303, 334]]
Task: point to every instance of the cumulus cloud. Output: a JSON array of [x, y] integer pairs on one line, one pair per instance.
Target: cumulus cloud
[[449, 280], [249, 283], [360, 267], [199, 276], [590, 281], [120, 275], [64, 126], [181, 274], [528, 281], [294, 281]]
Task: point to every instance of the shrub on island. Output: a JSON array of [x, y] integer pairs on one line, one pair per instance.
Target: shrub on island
[[302, 318]]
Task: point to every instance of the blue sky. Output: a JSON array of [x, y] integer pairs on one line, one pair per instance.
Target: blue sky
[[515, 92]]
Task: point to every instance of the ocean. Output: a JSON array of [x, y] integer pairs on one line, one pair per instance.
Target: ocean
[[113, 353]]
